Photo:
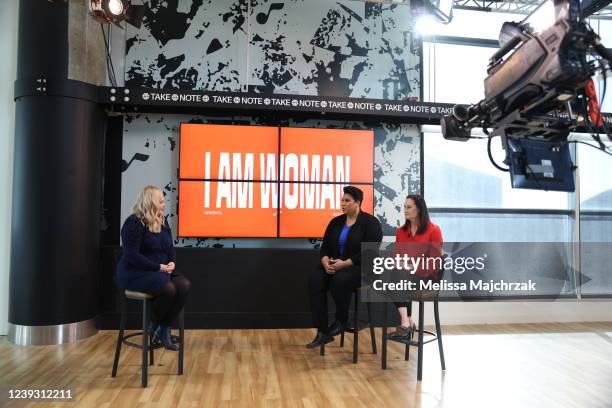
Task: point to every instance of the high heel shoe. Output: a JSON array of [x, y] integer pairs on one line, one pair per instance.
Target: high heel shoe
[[402, 333], [153, 332], [166, 338]]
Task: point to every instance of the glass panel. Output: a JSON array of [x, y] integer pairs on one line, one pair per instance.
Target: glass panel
[[454, 73], [479, 227], [476, 24], [595, 180], [596, 254], [459, 174]]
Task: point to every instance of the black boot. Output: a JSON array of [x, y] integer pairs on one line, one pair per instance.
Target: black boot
[[166, 339], [320, 340], [336, 328]]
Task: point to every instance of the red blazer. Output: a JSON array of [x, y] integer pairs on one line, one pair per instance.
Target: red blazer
[[431, 247]]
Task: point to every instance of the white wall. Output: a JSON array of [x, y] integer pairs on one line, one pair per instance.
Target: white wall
[[8, 49]]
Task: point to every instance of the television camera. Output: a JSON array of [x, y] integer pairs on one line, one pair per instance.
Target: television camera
[[538, 90]]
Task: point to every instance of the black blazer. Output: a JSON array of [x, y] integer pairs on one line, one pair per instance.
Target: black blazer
[[367, 228]]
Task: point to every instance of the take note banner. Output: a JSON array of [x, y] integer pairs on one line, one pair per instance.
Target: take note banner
[[233, 179]]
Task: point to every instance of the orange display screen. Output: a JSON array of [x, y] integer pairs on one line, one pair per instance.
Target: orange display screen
[[228, 152], [310, 221], [327, 155], [232, 179], [226, 209]]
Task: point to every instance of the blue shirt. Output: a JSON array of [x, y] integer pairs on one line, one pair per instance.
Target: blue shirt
[[342, 238]]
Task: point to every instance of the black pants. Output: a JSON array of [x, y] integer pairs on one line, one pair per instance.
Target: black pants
[[417, 279], [404, 304], [341, 286], [169, 300]]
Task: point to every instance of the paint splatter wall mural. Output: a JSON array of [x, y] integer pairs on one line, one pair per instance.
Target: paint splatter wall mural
[[306, 47]]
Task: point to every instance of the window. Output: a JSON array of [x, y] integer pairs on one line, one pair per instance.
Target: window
[[468, 197], [460, 175]]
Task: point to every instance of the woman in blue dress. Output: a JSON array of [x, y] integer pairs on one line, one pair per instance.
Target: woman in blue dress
[[148, 262]]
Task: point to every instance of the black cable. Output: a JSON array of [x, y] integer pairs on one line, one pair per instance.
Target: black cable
[[595, 133], [603, 94], [591, 127], [109, 62], [106, 55], [110, 59], [497, 166]]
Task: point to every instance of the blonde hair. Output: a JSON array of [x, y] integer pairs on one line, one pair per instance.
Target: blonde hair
[[146, 208]]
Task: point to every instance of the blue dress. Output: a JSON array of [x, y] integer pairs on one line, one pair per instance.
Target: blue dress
[[143, 252]]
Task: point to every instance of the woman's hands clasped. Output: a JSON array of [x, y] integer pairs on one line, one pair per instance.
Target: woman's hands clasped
[[332, 265], [167, 268]]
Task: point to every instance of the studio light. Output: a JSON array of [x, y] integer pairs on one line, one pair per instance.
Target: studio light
[[115, 7], [426, 25], [441, 10], [116, 11]]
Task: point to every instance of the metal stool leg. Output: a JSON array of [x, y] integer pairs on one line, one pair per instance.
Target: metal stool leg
[[182, 341], [120, 336], [342, 339], [439, 334], [383, 359], [150, 336], [407, 350], [420, 348], [145, 324], [372, 332], [356, 330], [322, 350]]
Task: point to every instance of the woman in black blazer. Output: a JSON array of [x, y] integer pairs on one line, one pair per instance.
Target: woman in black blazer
[[340, 268]]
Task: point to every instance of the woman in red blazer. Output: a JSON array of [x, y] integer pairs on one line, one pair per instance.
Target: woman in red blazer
[[417, 237]]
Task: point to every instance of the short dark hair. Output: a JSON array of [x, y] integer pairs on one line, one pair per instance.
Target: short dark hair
[[354, 192]]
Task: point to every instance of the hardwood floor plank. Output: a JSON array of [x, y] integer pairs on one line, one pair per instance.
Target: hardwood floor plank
[[524, 365]]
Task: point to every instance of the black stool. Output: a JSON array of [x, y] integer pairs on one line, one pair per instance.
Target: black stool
[[145, 343], [357, 326], [420, 296]]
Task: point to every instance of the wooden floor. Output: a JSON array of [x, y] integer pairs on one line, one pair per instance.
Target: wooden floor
[[531, 365]]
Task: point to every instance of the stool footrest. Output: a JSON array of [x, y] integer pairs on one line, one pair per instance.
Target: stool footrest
[[363, 324], [413, 342], [125, 341], [150, 347]]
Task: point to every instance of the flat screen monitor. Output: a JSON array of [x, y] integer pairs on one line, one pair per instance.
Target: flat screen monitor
[[540, 165], [259, 181]]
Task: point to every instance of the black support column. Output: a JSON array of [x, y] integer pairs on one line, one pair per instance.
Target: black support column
[[57, 178]]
